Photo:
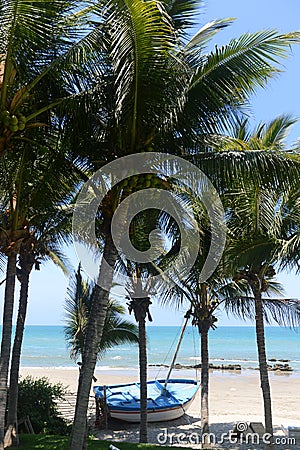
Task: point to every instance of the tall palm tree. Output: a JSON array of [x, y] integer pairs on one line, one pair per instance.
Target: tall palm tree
[[139, 303], [37, 199], [257, 229], [41, 47], [139, 289], [117, 330], [46, 245], [206, 297], [254, 252], [203, 299], [159, 92]]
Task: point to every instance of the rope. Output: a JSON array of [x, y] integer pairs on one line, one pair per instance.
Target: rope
[[169, 351]]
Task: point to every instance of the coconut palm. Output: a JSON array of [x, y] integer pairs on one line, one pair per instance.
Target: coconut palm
[[268, 214], [139, 291], [41, 46], [254, 252], [139, 303], [203, 299], [37, 201], [49, 239], [157, 91], [207, 296], [117, 330]]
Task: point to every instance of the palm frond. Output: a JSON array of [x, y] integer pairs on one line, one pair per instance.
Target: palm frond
[[182, 13], [284, 312], [197, 43], [226, 77], [60, 261]]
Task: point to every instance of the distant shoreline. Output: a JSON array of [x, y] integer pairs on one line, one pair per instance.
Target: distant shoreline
[[225, 367], [153, 370]]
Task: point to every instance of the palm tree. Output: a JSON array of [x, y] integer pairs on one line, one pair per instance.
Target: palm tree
[[139, 303], [260, 224], [117, 330], [46, 245], [41, 47], [159, 92], [204, 299], [37, 204], [254, 252], [139, 290]]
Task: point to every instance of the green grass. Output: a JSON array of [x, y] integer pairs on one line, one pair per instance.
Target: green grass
[[45, 442]]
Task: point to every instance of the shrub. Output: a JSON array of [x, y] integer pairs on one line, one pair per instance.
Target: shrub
[[37, 399]]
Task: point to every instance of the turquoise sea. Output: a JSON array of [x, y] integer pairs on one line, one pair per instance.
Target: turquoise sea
[[44, 346]]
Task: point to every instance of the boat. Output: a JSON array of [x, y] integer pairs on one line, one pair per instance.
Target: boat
[[123, 400], [167, 399]]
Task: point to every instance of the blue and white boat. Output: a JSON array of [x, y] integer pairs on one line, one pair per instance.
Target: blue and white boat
[[165, 402]]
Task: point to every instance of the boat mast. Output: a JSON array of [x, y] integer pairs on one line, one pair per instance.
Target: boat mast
[[187, 316]]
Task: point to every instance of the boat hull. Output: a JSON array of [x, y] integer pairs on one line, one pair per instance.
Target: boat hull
[[123, 401], [152, 416]]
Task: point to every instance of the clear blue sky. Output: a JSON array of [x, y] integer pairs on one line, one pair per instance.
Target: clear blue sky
[[282, 94], [48, 287]]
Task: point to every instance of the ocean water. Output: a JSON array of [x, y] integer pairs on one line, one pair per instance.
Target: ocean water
[[44, 346]]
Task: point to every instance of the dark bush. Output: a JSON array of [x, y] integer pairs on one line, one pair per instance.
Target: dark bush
[[37, 399]]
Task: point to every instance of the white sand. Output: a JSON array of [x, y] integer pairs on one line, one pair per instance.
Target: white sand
[[234, 397]]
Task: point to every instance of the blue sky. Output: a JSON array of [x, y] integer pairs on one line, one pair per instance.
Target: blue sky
[[48, 287], [282, 94]]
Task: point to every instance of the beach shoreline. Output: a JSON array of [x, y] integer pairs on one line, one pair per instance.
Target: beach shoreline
[[234, 395]]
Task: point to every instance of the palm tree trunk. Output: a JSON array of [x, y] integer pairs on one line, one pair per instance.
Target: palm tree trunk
[[12, 416], [204, 386], [6, 339], [143, 380], [91, 346], [262, 358]]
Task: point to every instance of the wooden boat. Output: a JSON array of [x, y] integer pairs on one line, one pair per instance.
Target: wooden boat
[[123, 400], [167, 399]]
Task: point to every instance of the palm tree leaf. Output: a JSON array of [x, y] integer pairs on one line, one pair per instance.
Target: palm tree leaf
[[226, 77], [182, 13], [204, 35]]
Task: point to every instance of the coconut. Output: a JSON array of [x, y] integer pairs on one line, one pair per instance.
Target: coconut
[[14, 120], [13, 128], [21, 126]]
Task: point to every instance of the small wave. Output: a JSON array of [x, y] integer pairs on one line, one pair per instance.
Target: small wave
[[114, 368], [116, 357], [223, 360]]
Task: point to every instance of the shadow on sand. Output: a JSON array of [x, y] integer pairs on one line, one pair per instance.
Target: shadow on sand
[[186, 432]]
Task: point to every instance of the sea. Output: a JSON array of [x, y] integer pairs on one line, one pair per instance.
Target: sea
[[45, 346]]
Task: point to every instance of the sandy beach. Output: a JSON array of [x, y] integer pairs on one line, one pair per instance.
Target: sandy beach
[[234, 397]]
